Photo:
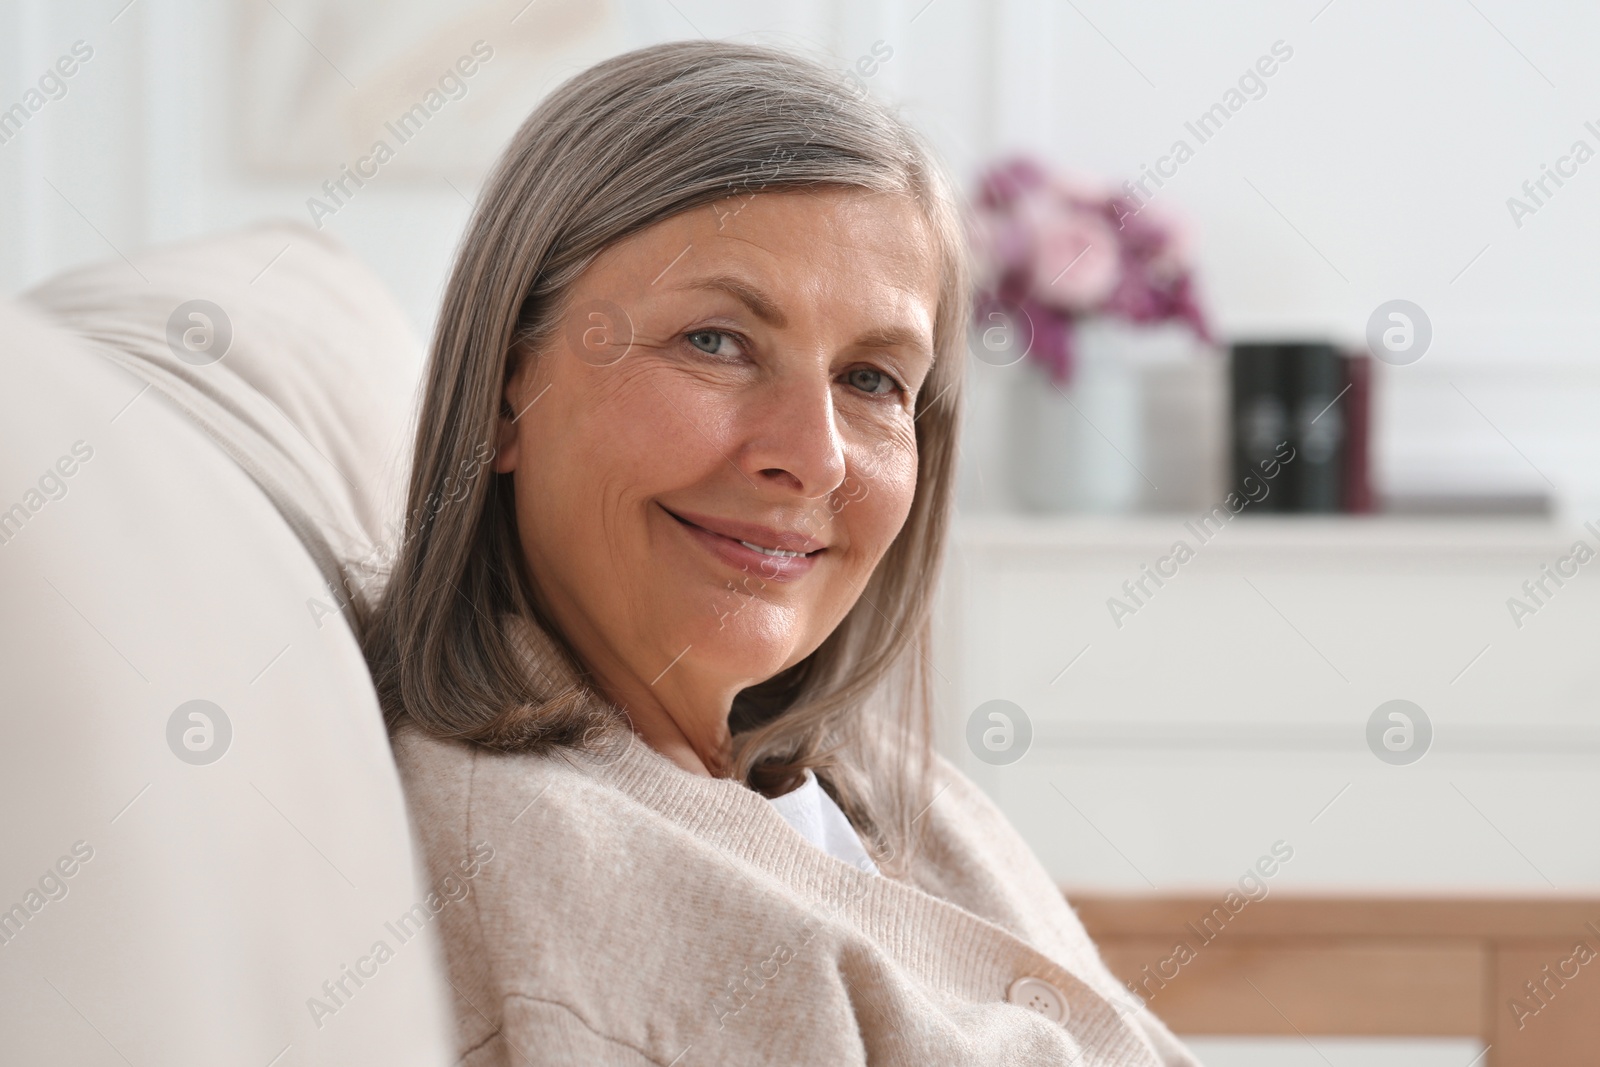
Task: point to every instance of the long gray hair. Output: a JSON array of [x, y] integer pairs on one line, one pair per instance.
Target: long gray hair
[[626, 144]]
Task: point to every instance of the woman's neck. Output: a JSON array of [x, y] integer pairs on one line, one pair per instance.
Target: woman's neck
[[684, 721]]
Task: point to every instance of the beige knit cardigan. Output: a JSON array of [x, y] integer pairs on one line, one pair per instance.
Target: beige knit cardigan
[[632, 913]]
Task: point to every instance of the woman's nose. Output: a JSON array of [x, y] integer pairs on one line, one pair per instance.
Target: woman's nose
[[792, 436]]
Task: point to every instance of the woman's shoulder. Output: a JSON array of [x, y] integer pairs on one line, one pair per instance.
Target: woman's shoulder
[[439, 766], [465, 789], [452, 767]]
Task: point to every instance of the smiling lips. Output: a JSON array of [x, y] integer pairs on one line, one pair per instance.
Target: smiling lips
[[777, 555]]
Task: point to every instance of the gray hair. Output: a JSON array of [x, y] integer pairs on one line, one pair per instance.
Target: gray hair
[[628, 143]]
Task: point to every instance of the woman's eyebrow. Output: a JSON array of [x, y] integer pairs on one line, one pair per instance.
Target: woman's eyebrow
[[897, 337], [760, 305]]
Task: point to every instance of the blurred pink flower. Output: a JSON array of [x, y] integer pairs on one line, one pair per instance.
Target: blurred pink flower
[[1076, 261], [1058, 247], [1176, 253], [1077, 188]]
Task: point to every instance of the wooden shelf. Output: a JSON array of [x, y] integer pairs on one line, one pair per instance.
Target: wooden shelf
[[1365, 966]]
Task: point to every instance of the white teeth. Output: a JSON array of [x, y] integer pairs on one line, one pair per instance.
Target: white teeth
[[771, 551]]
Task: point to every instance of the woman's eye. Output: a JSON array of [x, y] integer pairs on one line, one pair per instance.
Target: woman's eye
[[869, 380], [712, 342]]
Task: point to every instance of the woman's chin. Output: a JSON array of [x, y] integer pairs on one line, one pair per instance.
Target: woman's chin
[[756, 642]]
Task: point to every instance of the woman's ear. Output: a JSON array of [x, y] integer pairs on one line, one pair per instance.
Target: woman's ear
[[505, 451]]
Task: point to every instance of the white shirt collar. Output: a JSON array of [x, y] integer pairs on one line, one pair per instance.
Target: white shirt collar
[[815, 816]]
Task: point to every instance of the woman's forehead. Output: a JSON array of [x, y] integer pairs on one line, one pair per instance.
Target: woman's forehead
[[773, 247]]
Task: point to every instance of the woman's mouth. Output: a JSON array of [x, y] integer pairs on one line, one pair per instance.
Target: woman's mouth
[[756, 550]]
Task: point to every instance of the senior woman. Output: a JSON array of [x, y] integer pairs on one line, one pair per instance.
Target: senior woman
[[656, 671]]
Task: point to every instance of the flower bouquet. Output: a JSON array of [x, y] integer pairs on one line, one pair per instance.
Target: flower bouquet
[[1052, 250]]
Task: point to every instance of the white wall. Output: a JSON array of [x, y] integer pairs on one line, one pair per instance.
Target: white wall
[[1376, 165]]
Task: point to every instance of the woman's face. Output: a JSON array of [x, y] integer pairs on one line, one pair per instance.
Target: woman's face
[[717, 445]]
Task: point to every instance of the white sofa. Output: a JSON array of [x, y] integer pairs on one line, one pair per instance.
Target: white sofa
[[203, 890]]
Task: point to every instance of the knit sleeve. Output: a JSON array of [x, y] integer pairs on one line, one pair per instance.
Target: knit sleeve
[[550, 1034]]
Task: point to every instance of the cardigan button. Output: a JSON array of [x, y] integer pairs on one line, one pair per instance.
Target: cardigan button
[[1036, 994]]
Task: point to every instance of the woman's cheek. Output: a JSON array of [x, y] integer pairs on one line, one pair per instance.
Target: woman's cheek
[[650, 424], [694, 412], [881, 491]]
